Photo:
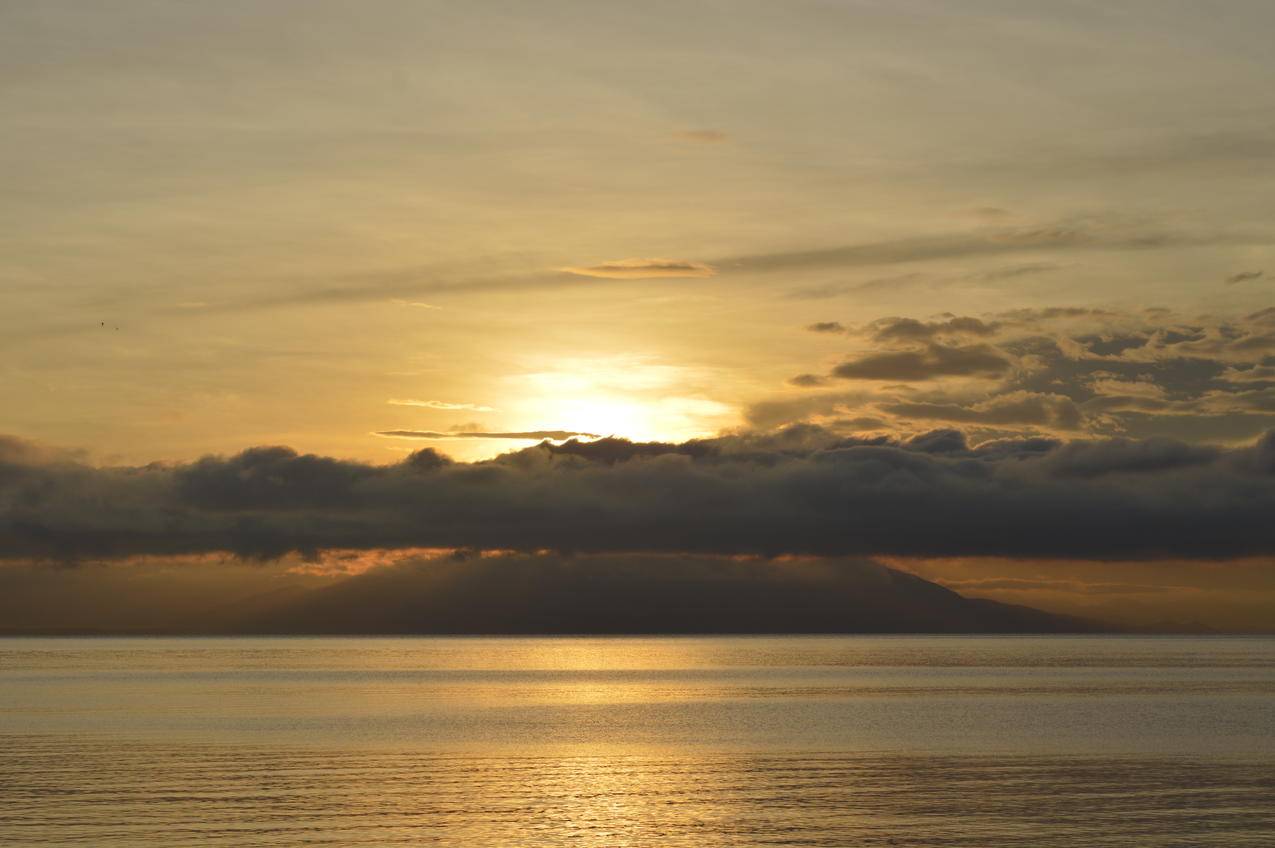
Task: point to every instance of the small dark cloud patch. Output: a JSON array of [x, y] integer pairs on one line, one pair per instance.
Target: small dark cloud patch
[[925, 363], [426, 460], [939, 442], [640, 269], [1178, 335], [1112, 344], [808, 381], [896, 330], [1244, 277], [826, 327]]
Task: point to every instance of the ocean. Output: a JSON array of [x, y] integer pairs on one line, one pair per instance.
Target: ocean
[[638, 741]]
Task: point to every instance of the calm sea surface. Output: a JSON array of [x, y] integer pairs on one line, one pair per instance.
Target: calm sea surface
[[828, 741]]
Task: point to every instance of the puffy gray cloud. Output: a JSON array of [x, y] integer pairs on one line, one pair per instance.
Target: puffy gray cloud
[[1053, 371], [1124, 456], [800, 491]]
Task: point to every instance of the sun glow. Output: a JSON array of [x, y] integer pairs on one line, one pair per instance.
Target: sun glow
[[605, 416], [631, 397]]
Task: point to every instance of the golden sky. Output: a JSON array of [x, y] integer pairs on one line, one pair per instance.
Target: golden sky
[[583, 216], [360, 229]]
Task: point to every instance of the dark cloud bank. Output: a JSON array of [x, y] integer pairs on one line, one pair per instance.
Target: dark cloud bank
[[803, 491]]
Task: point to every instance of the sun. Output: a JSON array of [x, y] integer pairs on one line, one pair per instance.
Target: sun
[[634, 398], [607, 416]]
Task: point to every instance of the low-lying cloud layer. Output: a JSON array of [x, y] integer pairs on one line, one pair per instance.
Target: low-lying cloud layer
[[802, 491]]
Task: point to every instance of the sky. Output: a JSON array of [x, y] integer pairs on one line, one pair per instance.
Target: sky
[[981, 291]]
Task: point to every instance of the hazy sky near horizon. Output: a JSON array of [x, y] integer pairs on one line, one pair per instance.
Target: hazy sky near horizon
[[916, 271], [305, 223]]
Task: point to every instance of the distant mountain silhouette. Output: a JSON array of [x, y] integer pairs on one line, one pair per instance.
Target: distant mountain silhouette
[[644, 595]]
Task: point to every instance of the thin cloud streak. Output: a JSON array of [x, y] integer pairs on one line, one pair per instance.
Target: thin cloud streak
[[440, 404], [554, 435], [404, 285], [643, 269], [1061, 237]]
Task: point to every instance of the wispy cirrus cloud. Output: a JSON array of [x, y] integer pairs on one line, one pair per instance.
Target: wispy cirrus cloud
[[1244, 277], [1058, 238], [440, 404], [703, 136], [639, 269]]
